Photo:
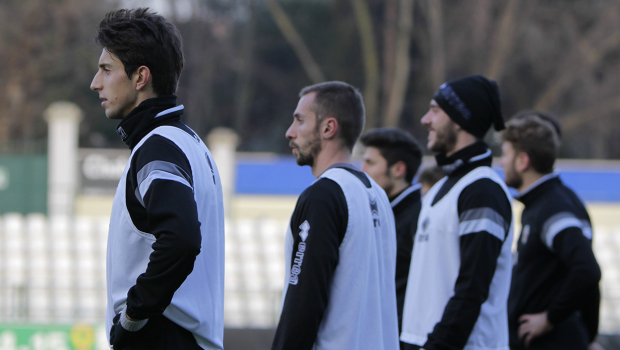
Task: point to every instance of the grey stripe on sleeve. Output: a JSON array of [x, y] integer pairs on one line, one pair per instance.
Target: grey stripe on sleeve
[[556, 224], [483, 219], [159, 170]]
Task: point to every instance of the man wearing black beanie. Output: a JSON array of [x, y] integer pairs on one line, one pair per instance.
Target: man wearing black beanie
[[461, 266]]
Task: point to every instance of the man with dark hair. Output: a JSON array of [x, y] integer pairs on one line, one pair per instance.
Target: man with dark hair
[[429, 176], [340, 253], [391, 158], [165, 260], [460, 269], [554, 297]]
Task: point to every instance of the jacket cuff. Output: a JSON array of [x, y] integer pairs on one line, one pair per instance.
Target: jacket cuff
[[129, 325]]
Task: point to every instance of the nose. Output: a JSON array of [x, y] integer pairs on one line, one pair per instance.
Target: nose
[[289, 133], [95, 85], [426, 119], [363, 167]]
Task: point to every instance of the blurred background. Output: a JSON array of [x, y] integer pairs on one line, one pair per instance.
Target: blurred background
[[246, 60]]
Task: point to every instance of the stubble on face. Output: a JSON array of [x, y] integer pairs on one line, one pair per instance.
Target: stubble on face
[[445, 138], [509, 164], [376, 166], [306, 154], [511, 177], [389, 183]]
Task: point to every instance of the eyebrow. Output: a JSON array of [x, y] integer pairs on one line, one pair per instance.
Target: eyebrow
[[104, 65]]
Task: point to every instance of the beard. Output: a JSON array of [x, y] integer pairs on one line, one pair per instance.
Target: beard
[[445, 139], [511, 178], [310, 151], [389, 184]]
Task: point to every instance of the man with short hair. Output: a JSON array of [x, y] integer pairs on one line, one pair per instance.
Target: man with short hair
[[460, 269], [165, 260], [392, 158], [429, 176], [340, 253], [554, 297]]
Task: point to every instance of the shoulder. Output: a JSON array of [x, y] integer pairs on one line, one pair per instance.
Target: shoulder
[[560, 201], [159, 148], [484, 192], [323, 189]]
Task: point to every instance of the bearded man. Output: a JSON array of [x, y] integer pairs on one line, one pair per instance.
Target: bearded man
[[340, 260], [460, 269], [554, 298]]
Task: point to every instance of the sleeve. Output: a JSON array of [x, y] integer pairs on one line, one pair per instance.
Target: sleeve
[[569, 238], [164, 188], [589, 308], [318, 225], [485, 216]]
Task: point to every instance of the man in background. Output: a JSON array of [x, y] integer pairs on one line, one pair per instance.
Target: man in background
[[429, 176], [460, 269], [554, 296], [165, 259], [340, 253], [392, 158]]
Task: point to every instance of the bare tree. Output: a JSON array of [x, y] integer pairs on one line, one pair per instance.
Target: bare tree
[[371, 61], [504, 40], [438, 56], [394, 105], [586, 54], [291, 35]]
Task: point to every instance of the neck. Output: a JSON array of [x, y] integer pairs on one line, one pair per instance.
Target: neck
[[463, 140], [399, 186], [529, 177], [142, 96], [329, 155]]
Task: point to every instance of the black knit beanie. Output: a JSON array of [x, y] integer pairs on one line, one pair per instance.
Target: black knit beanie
[[473, 103]]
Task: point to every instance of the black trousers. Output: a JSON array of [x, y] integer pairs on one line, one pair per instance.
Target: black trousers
[[160, 333]]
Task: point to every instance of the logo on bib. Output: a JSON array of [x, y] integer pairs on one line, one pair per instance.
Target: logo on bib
[[374, 209], [525, 233], [299, 255]]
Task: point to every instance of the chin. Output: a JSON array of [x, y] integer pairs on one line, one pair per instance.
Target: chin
[[513, 182]]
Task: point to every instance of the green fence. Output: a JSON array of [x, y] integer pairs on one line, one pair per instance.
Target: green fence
[[56, 337], [23, 184]]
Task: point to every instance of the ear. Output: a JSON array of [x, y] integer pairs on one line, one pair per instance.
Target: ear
[[522, 162], [398, 169], [142, 77], [329, 127]]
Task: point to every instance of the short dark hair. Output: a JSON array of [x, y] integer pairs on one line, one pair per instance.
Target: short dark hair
[[430, 175], [143, 38], [343, 102], [396, 145], [536, 137]]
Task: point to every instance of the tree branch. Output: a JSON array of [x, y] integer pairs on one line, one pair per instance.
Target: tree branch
[[284, 24], [371, 62], [401, 76]]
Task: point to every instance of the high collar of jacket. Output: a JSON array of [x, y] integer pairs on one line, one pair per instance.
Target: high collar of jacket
[[150, 114], [410, 193], [466, 159], [538, 188]]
